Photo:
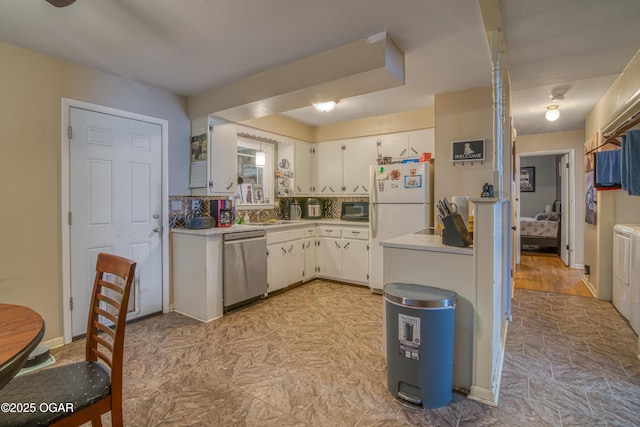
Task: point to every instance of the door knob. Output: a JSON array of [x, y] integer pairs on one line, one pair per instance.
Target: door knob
[[156, 215], [157, 229]]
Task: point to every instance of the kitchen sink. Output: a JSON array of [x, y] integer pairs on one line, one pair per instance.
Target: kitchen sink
[[275, 222]]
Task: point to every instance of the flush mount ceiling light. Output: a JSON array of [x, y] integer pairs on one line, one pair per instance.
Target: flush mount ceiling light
[[552, 113], [324, 106]]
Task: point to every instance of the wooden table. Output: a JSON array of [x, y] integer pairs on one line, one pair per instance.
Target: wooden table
[[21, 329]]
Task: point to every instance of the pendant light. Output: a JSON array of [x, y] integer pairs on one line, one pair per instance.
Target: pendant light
[[261, 157]]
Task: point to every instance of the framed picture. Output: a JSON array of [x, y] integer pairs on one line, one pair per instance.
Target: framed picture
[[528, 179], [412, 181]]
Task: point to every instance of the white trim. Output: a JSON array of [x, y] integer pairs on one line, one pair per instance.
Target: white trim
[[572, 197], [66, 105]]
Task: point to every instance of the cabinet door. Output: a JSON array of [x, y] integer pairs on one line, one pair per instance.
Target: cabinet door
[[421, 141], [393, 145], [277, 266], [304, 167], [309, 258], [329, 257], [223, 158], [329, 168], [359, 154], [294, 261], [355, 261]]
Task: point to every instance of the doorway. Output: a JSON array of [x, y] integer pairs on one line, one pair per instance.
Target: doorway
[[114, 200], [562, 188]]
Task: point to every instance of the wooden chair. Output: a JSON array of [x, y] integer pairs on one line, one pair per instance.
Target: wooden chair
[[89, 386]]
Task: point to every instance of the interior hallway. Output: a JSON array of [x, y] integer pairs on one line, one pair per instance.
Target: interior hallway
[[312, 356], [539, 271]]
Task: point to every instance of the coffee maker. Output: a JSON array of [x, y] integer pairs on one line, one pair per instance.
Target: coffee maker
[[222, 211]]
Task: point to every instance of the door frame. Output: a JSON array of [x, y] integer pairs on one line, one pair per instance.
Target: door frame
[[571, 202], [65, 200]]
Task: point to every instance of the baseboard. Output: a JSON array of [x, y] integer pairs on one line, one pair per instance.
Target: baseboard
[[589, 286], [54, 343]]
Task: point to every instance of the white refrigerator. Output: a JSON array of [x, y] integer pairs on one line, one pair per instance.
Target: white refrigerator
[[400, 203]]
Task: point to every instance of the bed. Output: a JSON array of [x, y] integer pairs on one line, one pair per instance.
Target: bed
[[543, 230]]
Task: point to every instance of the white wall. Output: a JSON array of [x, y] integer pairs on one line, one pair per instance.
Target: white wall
[[534, 202]]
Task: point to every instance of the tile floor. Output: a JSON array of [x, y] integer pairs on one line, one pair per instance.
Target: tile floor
[[311, 356]]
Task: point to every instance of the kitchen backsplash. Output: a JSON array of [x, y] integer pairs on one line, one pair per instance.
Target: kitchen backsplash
[[190, 206]]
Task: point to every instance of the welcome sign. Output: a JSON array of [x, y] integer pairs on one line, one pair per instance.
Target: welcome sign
[[467, 151]]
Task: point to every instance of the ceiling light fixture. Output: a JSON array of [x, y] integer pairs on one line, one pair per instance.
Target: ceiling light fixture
[[552, 113], [324, 106]]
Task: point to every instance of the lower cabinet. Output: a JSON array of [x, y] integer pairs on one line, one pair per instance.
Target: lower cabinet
[[343, 254], [285, 258]]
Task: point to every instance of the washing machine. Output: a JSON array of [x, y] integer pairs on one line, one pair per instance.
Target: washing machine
[[620, 296]]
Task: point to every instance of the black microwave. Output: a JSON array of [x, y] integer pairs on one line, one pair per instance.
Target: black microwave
[[355, 211]]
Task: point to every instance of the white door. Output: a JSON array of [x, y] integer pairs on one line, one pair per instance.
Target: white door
[[115, 201], [565, 218]]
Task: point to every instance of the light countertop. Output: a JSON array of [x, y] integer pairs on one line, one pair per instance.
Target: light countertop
[[424, 242], [284, 225]]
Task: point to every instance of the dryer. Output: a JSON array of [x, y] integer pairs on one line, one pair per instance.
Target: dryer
[[621, 295], [634, 279]]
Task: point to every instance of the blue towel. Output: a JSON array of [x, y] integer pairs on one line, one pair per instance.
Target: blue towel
[[608, 168], [630, 163]]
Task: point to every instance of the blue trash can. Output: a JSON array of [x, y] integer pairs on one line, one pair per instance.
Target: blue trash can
[[420, 322]]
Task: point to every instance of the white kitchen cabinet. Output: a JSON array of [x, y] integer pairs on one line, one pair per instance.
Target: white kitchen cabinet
[[407, 145], [359, 154], [285, 260], [217, 175], [343, 253], [310, 244], [329, 168], [355, 260], [197, 275], [276, 267], [304, 167]]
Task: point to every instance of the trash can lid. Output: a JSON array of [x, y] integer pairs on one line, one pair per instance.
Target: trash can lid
[[419, 295]]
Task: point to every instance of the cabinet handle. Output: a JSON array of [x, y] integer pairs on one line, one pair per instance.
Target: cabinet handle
[[347, 245], [230, 185], [403, 151], [308, 244], [356, 189], [355, 232], [299, 190], [323, 188], [365, 188], [412, 149], [332, 190], [337, 244], [290, 249], [284, 251]]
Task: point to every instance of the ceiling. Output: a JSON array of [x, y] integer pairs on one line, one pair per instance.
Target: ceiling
[[575, 47]]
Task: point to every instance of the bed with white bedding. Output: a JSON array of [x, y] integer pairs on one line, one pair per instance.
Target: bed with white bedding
[[542, 230]]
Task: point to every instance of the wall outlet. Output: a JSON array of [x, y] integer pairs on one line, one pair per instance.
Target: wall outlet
[[176, 205], [196, 206]]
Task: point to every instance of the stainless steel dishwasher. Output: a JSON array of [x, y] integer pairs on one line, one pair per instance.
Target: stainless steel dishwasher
[[245, 266]]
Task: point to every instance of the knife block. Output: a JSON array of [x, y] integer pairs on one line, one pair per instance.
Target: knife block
[[455, 233]]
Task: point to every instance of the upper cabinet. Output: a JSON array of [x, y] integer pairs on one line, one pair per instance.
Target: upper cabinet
[[358, 155], [304, 168], [213, 158], [329, 168], [406, 145]]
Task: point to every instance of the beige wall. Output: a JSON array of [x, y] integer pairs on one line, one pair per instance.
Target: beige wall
[[460, 116], [369, 126], [570, 140], [621, 100], [32, 87]]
